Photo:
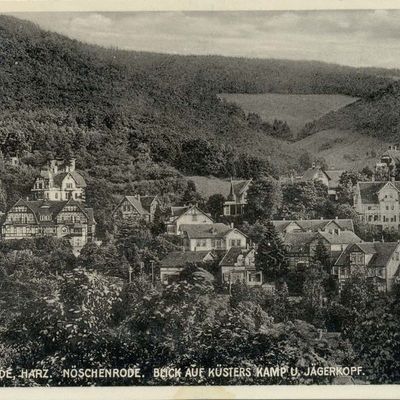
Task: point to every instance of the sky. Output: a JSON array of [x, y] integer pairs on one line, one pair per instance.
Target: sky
[[355, 38]]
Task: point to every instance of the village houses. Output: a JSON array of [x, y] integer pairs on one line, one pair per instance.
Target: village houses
[[377, 203], [238, 265], [301, 238], [328, 177], [59, 181], [174, 263], [186, 215], [56, 208], [29, 219], [216, 236], [236, 200], [378, 261], [389, 161], [137, 208]]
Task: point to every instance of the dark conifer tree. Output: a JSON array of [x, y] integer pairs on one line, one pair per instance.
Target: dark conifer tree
[[271, 256]]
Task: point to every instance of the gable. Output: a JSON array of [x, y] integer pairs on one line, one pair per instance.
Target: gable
[[235, 233], [331, 225], [292, 227], [194, 211]]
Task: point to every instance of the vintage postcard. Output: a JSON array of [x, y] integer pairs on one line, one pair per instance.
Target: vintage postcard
[[199, 200]]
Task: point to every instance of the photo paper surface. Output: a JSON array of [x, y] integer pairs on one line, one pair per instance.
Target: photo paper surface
[[199, 202]]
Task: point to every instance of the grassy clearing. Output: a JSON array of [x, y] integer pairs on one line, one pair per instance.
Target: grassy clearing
[[343, 149], [295, 109]]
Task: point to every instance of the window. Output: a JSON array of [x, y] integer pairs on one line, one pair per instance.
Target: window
[[69, 185], [56, 195], [204, 243], [356, 258], [194, 217], [387, 208], [198, 243]]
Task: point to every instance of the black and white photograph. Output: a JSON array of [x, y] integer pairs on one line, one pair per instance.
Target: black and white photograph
[[200, 198]]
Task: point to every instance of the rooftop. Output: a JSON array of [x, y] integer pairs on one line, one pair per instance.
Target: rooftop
[[369, 190], [232, 255], [203, 231], [181, 259]]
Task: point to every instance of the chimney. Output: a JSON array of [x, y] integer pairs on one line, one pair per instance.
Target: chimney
[[53, 166], [72, 164], [336, 217], [232, 225], [322, 218]]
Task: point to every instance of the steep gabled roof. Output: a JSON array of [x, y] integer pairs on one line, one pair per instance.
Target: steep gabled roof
[[300, 238], [281, 225], [237, 188], [77, 177], [381, 252], [369, 190], [319, 224], [240, 186], [203, 231], [334, 177], [311, 174], [177, 212], [384, 251], [147, 201], [53, 208], [394, 154], [136, 203], [345, 237], [180, 259], [314, 224], [230, 258]]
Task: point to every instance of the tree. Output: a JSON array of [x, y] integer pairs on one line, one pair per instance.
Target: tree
[[321, 255], [281, 305], [346, 211], [264, 198], [68, 327], [190, 195], [215, 205], [348, 180], [313, 296], [158, 224], [305, 161], [304, 200], [271, 257]]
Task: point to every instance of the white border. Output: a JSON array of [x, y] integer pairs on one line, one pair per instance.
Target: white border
[[192, 5], [199, 392]]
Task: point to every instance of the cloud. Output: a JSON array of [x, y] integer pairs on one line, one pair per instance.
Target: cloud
[[360, 38]]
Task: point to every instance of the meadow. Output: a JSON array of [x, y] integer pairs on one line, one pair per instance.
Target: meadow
[[295, 109]]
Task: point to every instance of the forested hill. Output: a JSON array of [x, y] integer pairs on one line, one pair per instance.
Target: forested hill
[[377, 115], [103, 104]]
